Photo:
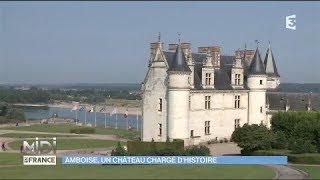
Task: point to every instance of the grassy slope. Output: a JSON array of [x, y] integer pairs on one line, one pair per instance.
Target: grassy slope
[[69, 144], [65, 128], [130, 171], [313, 171], [27, 135], [139, 172]]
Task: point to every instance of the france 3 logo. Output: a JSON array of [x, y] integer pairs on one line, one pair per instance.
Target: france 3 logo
[[291, 22], [43, 152]]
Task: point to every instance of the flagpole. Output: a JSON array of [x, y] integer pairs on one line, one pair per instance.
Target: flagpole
[[85, 116], [137, 120], [76, 115], [95, 118], [127, 123], [105, 120], [116, 121]]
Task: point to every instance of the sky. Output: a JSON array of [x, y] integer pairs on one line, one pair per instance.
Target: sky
[[109, 42]]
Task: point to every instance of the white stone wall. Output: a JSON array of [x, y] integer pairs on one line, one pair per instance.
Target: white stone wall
[[155, 88], [257, 99], [273, 82], [178, 109], [221, 115]]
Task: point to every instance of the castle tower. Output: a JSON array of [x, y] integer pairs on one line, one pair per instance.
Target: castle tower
[[178, 96], [257, 83], [154, 110], [273, 80]]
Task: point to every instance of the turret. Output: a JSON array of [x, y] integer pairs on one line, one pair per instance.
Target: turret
[[256, 82], [273, 80], [178, 96]]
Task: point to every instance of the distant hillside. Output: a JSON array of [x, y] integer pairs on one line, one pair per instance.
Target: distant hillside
[[295, 87], [284, 87], [79, 86]]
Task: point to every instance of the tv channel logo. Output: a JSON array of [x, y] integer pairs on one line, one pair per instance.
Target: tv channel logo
[[41, 149], [291, 22]]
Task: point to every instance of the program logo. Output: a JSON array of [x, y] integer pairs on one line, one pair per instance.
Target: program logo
[[291, 22], [41, 149]]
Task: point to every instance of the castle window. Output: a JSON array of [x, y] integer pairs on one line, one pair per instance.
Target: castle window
[[260, 82], [261, 109], [160, 105], [191, 133], [236, 123], [160, 129], [236, 101], [207, 102], [207, 127], [208, 78], [237, 79]]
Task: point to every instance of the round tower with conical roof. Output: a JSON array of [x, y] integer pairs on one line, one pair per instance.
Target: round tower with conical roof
[[273, 80], [178, 97], [257, 84]]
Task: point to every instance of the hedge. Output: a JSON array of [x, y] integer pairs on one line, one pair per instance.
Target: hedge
[[307, 158], [143, 148], [83, 130]]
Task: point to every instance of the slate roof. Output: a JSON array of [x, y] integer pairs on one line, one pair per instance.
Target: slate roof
[[297, 101], [179, 62], [256, 67], [270, 64], [222, 76]]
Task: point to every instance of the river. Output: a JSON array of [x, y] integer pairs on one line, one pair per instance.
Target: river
[[43, 112]]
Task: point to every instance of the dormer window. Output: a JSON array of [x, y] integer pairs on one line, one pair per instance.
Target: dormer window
[[237, 79], [208, 79]]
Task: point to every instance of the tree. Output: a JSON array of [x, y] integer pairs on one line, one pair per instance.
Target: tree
[[280, 140], [252, 137]]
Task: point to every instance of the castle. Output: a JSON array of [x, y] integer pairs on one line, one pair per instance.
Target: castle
[[203, 96]]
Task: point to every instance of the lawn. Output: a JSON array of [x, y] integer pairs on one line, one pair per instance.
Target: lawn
[[30, 135], [10, 158], [139, 172], [70, 144], [313, 171], [129, 171], [65, 128]]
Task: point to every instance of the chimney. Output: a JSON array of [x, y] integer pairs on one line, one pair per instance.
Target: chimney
[[173, 47], [215, 53], [186, 47]]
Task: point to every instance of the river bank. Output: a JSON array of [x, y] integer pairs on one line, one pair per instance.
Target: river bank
[[109, 109]]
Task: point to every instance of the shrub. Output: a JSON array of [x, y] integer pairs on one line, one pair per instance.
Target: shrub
[[198, 151], [83, 130], [221, 141], [301, 146], [212, 141], [280, 140], [151, 148], [252, 137], [119, 151], [225, 140]]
